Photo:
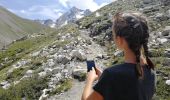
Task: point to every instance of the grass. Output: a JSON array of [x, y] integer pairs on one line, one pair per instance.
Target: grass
[[21, 49], [29, 88], [62, 86], [163, 90]]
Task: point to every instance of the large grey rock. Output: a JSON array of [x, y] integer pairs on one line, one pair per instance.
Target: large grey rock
[[79, 74], [161, 17], [51, 62], [167, 82], [167, 53], [166, 62], [147, 1], [35, 53], [56, 70], [29, 73], [78, 54], [118, 53], [166, 31], [162, 40], [5, 84], [62, 59], [42, 74], [44, 94], [151, 8]]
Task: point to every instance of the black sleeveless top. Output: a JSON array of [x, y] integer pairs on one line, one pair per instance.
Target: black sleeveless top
[[120, 82]]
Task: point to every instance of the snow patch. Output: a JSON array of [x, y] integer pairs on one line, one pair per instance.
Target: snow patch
[[97, 14]]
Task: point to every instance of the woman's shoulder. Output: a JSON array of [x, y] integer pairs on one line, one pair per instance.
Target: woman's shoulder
[[124, 67]]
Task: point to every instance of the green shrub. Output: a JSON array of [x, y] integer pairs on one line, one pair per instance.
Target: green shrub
[[163, 90], [29, 88], [62, 86], [16, 74]]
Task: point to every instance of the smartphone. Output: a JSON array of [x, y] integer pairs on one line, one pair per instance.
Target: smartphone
[[90, 64]]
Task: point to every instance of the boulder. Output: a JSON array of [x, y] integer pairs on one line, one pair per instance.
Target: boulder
[[62, 59], [100, 56], [118, 53], [161, 17], [78, 54], [29, 73], [44, 94], [79, 74], [56, 70], [167, 53], [5, 84], [35, 54], [147, 1], [42, 74], [166, 62], [162, 40], [168, 82], [51, 62], [166, 31]]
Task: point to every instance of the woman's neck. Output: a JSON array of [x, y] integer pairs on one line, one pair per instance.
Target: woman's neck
[[130, 57]]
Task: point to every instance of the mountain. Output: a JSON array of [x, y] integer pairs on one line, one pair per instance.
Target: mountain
[[48, 22], [13, 27], [57, 65], [71, 16]]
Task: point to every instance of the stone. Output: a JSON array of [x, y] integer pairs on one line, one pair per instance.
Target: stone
[[79, 74], [35, 54], [167, 82], [150, 8], [78, 54], [147, 1], [42, 74], [161, 17], [5, 84], [44, 94], [44, 53], [62, 59], [100, 56], [167, 53], [162, 40], [56, 70], [48, 71], [166, 31], [29, 73], [51, 62], [166, 62], [118, 53]]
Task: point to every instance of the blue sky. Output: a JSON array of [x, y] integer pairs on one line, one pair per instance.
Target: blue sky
[[45, 9]]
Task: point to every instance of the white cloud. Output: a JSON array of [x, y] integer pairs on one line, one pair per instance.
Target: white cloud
[[82, 4], [39, 12], [22, 11], [64, 3]]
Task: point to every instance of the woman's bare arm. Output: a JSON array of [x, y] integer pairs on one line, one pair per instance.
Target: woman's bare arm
[[89, 93]]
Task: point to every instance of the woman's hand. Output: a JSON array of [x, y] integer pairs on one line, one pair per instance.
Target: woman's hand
[[93, 74]]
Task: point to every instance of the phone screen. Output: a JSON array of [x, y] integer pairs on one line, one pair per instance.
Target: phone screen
[[90, 64]]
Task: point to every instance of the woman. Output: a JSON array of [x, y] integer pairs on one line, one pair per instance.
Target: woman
[[132, 80]]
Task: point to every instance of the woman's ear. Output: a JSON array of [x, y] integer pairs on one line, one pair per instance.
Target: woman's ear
[[120, 42]]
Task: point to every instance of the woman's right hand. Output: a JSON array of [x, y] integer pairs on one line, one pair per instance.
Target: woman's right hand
[[98, 72], [93, 74]]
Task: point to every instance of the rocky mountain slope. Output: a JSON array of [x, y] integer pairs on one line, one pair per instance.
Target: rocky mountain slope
[[48, 22], [13, 27], [56, 70], [71, 16]]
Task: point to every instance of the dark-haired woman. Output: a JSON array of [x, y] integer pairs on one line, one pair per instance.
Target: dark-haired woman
[[135, 78]]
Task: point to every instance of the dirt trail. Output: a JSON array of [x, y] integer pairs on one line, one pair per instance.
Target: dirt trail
[[76, 91]]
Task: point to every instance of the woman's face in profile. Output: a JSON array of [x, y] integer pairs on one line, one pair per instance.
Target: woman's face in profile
[[117, 40]]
